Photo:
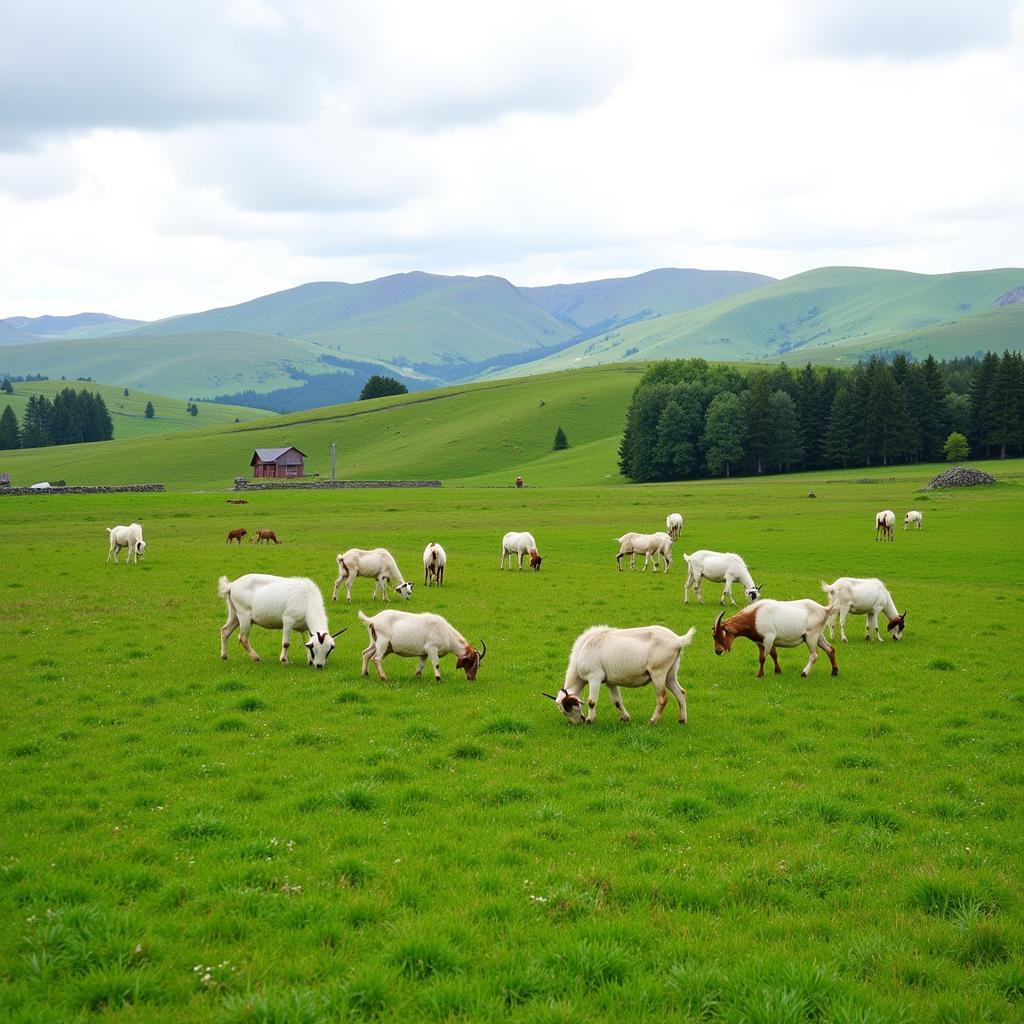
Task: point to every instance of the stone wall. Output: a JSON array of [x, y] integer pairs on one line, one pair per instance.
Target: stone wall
[[243, 484], [118, 489]]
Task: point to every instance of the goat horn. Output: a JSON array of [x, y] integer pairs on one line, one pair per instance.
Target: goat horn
[[904, 615], [718, 621], [549, 697], [483, 653], [340, 631]]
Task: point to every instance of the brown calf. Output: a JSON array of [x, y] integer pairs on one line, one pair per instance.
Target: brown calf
[[236, 535], [265, 535]]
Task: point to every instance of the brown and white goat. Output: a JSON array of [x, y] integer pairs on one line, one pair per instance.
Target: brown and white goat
[[772, 624], [513, 544], [434, 561], [420, 635], [884, 521]]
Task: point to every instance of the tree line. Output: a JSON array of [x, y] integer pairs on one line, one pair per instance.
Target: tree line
[[689, 418], [71, 417]]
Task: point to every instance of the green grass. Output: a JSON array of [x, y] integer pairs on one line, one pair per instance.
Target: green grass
[[482, 432], [129, 414], [191, 839]]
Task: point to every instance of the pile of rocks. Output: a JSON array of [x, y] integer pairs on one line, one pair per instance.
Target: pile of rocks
[[959, 476]]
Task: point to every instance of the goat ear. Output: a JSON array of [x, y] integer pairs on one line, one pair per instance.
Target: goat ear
[[321, 637]]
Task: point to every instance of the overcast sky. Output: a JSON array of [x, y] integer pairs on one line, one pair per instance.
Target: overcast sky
[[166, 156]]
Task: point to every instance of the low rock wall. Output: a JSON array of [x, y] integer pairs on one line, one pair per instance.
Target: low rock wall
[[329, 485], [118, 489]]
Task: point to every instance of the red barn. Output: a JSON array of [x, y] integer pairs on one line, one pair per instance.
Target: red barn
[[277, 462]]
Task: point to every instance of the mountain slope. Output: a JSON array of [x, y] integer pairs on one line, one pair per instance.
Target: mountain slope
[[601, 305], [59, 326], [12, 335]]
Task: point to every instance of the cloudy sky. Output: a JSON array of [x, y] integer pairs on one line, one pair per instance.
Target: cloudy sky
[[164, 156]]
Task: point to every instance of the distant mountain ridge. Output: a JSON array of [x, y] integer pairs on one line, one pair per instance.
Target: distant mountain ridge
[[59, 326]]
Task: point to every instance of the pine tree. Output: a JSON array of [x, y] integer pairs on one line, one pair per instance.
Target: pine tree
[[36, 423], [843, 425], [150, 411], [759, 419], [786, 447], [561, 441], [980, 390], [125, 392], [1004, 427], [724, 427], [675, 454], [930, 409], [10, 434], [7, 387]]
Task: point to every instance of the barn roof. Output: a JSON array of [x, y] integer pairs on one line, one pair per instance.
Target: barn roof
[[273, 454]]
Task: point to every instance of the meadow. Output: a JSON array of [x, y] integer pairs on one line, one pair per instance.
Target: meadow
[[191, 839]]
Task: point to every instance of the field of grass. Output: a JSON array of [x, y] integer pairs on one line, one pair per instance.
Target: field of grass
[[482, 432], [191, 839], [129, 414]]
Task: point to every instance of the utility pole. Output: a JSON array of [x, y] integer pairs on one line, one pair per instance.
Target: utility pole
[[333, 447]]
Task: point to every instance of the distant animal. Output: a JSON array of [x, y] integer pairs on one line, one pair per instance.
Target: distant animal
[[772, 624], [377, 564], [420, 635], [434, 561], [811, 494], [718, 567], [520, 544], [623, 657], [129, 537], [236, 535], [914, 517], [519, 481], [863, 597], [277, 602], [238, 501], [884, 521], [650, 545], [674, 525], [265, 535]]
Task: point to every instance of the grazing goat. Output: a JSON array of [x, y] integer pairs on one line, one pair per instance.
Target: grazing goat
[[420, 635], [265, 535], [129, 537], [867, 596], [434, 561], [377, 564], [674, 525], [915, 517], [519, 544], [623, 657], [718, 567], [236, 535], [276, 602], [237, 501], [650, 545], [883, 524], [772, 624]]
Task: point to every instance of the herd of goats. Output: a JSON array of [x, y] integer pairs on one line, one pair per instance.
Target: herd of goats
[[600, 655]]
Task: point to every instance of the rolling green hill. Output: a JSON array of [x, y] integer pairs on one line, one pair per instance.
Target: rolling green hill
[[129, 414], [834, 308], [486, 433]]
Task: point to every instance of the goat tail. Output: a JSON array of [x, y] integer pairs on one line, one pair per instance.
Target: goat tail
[[223, 586], [826, 588], [368, 622], [687, 637]]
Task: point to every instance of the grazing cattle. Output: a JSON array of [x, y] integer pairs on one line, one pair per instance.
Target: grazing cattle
[[914, 517], [237, 501], [377, 564], [772, 624], [674, 525], [519, 544], [718, 567], [884, 521], [623, 657], [863, 597], [650, 545], [434, 561], [420, 635], [129, 537], [265, 535], [277, 602], [236, 535]]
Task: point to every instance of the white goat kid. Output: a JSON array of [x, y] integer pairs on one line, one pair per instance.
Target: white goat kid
[[276, 602], [718, 567], [434, 561], [674, 525], [377, 564], [129, 537], [623, 657], [520, 544], [884, 521], [915, 517], [420, 635], [863, 597], [650, 545]]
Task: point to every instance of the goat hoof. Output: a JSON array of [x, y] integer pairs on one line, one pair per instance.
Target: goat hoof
[[835, 671], [803, 675]]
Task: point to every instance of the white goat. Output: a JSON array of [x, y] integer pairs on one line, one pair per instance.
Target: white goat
[[772, 624], [129, 537], [375, 564], [863, 597], [623, 657], [519, 544], [650, 545], [276, 602], [884, 521], [718, 567], [674, 525], [434, 561], [420, 635], [915, 517]]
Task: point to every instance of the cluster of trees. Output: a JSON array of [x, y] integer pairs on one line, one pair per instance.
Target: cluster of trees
[[377, 386], [689, 418], [70, 418]]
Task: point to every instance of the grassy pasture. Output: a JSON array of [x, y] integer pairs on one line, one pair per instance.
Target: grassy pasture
[[189, 839]]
